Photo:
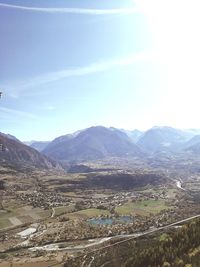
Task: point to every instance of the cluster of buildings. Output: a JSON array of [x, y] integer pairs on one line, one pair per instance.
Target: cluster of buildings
[[120, 198], [43, 200]]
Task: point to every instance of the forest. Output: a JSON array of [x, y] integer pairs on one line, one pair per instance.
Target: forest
[[178, 247]]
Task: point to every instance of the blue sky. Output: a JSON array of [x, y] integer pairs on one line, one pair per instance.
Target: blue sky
[[67, 65]]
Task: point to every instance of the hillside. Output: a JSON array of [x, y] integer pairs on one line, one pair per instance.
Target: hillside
[[13, 153], [194, 149], [193, 141], [179, 247]]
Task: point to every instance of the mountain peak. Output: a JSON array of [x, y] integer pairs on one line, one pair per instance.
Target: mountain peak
[[95, 142]]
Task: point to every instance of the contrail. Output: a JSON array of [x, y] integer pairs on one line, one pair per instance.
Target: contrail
[[81, 11], [79, 71]]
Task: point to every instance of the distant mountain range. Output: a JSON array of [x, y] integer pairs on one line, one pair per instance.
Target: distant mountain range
[[92, 144], [15, 153], [99, 142], [164, 138], [38, 145]]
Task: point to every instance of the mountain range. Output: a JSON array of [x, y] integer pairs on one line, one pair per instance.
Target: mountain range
[[100, 142], [92, 144], [164, 138], [38, 145], [96, 143]]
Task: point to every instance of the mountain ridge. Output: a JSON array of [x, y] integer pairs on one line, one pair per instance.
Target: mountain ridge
[[163, 138], [99, 142], [14, 153], [92, 143]]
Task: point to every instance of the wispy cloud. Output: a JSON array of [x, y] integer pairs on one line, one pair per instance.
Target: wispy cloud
[[81, 11], [7, 112], [16, 88]]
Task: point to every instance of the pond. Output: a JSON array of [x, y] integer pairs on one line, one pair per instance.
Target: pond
[[104, 221]]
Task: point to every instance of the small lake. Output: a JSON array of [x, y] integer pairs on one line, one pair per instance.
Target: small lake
[[104, 221]]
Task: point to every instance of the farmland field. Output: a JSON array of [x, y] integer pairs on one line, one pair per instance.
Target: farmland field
[[144, 208]]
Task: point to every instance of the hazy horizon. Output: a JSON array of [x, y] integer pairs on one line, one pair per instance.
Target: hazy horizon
[[122, 129], [70, 65]]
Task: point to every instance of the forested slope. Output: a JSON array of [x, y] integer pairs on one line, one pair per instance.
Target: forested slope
[[178, 247]]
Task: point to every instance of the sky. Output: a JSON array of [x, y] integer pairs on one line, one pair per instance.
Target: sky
[[67, 65]]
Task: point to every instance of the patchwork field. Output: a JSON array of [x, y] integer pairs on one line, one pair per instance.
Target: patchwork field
[[143, 208], [63, 209], [13, 216], [78, 208]]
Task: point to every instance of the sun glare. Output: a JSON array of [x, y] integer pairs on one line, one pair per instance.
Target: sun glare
[[174, 27]]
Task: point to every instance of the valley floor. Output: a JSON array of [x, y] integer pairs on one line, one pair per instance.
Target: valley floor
[[49, 220]]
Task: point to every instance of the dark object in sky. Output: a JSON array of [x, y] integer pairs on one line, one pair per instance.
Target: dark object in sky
[[1, 94]]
